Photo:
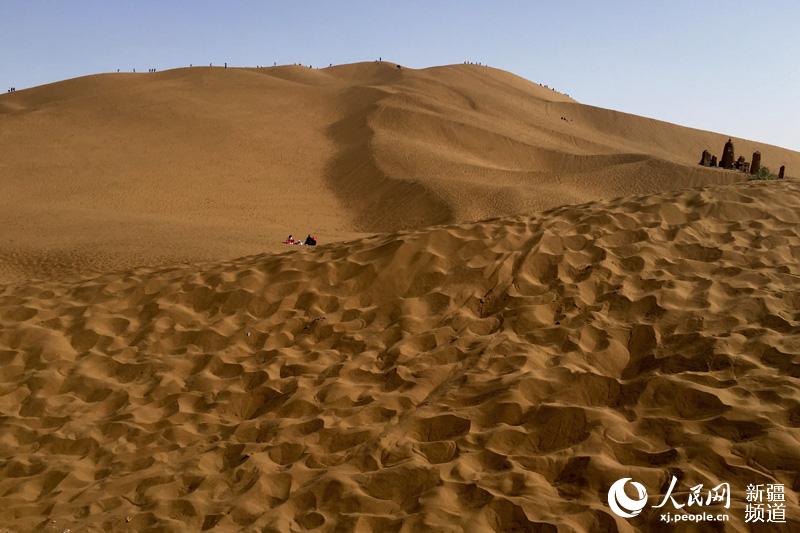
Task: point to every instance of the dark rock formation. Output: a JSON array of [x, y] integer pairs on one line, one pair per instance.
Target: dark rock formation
[[755, 166], [727, 155], [705, 159], [713, 160], [781, 172]]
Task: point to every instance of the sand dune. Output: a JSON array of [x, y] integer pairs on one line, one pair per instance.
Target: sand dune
[[115, 171], [443, 375], [485, 376]]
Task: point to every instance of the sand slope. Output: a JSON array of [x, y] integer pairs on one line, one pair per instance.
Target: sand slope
[[120, 170], [490, 376]]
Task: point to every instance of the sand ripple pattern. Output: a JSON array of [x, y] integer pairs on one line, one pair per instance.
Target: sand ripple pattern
[[492, 376]]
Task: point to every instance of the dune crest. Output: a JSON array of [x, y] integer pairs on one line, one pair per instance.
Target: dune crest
[[113, 171], [486, 376]]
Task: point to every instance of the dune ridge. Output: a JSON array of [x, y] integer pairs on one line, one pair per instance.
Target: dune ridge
[[114, 171], [486, 376]]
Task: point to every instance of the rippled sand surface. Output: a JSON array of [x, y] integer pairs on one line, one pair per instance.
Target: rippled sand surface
[[488, 376]]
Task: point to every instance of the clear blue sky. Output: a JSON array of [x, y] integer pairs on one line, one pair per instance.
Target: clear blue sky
[[730, 66]]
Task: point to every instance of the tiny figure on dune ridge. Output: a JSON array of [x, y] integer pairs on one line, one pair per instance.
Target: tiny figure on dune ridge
[[310, 240]]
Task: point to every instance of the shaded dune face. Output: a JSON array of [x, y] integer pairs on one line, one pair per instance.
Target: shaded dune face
[[115, 171], [489, 376]]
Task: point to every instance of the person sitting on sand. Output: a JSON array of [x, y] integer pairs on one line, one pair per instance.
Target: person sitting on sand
[[310, 240], [289, 240]]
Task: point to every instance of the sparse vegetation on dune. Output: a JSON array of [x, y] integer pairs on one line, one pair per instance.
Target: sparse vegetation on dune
[[763, 173]]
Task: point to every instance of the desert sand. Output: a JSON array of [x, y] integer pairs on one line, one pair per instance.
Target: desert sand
[[487, 376], [511, 311], [115, 171]]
